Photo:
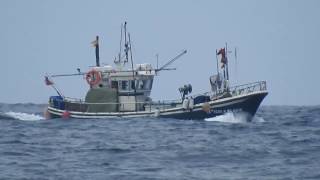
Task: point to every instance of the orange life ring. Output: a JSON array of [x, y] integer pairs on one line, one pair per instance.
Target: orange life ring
[[93, 77]]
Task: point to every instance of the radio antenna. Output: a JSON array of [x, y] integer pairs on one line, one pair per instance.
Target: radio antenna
[[126, 45], [120, 44], [157, 56]]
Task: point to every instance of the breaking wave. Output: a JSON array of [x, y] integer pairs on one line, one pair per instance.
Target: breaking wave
[[258, 119], [234, 118], [20, 116]]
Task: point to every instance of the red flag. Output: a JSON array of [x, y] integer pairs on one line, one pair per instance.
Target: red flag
[[47, 81], [222, 52]]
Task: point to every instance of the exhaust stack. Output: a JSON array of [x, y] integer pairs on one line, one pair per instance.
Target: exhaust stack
[[95, 43]]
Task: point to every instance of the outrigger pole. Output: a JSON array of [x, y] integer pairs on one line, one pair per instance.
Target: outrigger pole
[[82, 73], [64, 75], [57, 90], [51, 83], [171, 61]]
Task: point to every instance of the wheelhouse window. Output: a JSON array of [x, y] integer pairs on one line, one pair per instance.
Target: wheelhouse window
[[114, 84], [133, 85], [144, 84], [124, 85]]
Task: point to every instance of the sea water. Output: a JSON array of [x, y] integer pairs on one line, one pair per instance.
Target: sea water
[[281, 142]]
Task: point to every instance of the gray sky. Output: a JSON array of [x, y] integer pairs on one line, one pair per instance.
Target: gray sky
[[278, 41]]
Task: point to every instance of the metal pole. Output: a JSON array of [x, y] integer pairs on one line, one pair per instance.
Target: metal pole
[[125, 41], [236, 63], [227, 63], [97, 51], [120, 44], [217, 62], [157, 55], [133, 74], [218, 73]]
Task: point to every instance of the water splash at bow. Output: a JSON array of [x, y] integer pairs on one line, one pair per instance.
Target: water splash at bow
[[21, 116]]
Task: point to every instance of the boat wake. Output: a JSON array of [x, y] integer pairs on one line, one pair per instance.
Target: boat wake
[[234, 118], [20, 116]]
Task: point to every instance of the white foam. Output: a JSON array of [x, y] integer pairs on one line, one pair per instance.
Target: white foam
[[24, 116], [229, 118], [258, 119]]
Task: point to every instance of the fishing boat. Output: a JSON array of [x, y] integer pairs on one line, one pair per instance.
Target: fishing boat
[[123, 91]]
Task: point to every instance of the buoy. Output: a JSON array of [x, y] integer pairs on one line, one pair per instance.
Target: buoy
[[93, 77], [66, 115]]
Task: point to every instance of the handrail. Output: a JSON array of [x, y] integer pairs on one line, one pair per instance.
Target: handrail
[[79, 101], [250, 87], [231, 91]]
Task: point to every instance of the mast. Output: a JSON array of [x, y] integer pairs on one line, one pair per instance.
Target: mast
[[157, 55], [133, 74], [218, 73], [236, 63], [120, 44], [96, 45], [227, 63], [126, 43], [217, 62]]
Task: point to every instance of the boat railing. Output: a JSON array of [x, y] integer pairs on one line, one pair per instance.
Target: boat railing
[[248, 88], [236, 90], [74, 104], [169, 102]]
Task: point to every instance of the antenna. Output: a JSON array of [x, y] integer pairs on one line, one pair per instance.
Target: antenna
[[125, 42], [227, 63], [120, 44], [236, 63], [130, 53], [157, 56], [217, 62]]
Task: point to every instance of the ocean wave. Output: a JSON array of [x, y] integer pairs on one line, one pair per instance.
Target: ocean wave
[[235, 118], [29, 108], [229, 118], [258, 119], [5, 116], [20, 116]]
